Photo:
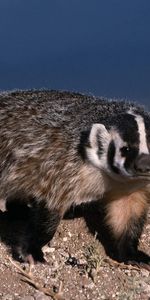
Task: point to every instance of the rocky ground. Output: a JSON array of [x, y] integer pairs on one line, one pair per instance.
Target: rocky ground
[[76, 268]]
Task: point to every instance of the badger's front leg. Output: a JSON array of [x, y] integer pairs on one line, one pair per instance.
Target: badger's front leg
[[126, 217], [44, 223], [40, 227]]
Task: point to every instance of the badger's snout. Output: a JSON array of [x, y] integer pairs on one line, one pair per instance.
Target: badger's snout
[[142, 164]]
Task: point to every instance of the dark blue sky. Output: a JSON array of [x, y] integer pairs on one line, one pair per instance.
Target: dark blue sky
[[97, 47]]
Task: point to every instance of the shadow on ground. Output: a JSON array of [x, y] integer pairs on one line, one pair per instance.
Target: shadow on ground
[[13, 226]]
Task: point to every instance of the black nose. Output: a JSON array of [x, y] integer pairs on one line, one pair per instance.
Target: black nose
[[142, 163]]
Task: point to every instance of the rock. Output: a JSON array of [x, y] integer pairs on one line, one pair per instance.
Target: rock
[[7, 297], [145, 273], [28, 298], [40, 296], [146, 288], [47, 249]]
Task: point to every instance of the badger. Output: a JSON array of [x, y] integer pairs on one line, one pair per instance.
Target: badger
[[59, 149]]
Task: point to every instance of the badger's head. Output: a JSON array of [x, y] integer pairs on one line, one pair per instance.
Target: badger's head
[[120, 146]]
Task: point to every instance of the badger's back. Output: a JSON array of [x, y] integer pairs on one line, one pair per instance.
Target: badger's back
[[53, 108]]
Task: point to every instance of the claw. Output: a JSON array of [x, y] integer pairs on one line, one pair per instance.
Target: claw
[[31, 262]]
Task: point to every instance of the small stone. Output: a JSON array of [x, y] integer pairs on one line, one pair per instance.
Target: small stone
[[82, 261], [56, 265], [103, 297], [63, 253], [28, 298], [72, 261], [146, 288], [47, 249], [91, 285], [40, 296], [85, 282], [65, 239], [7, 297], [145, 273]]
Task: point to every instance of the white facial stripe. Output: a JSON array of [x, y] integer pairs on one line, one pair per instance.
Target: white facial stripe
[[143, 148], [119, 143], [142, 134]]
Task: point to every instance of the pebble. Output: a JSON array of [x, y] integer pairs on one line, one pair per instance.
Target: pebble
[[40, 296], [128, 272], [91, 286], [7, 297], [146, 288], [28, 298], [47, 249], [63, 253], [82, 261], [145, 273]]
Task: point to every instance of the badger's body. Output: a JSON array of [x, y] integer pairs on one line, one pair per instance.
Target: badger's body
[[58, 149]]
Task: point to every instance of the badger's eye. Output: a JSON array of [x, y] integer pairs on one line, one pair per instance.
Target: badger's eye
[[125, 150]]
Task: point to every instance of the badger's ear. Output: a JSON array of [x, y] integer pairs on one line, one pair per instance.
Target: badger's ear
[[99, 139], [98, 136]]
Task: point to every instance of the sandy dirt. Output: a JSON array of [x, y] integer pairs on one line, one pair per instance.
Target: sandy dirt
[[76, 268]]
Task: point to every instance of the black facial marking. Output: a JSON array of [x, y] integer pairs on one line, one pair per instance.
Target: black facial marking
[[110, 156], [130, 158], [84, 142], [125, 151], [128, 129]]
